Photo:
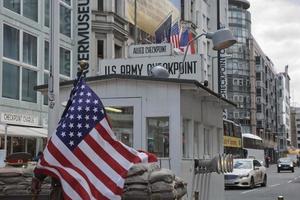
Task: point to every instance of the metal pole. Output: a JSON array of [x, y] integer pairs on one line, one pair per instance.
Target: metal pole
[[219, 52], [186, 49], [135, 22], [53, 86], [5, 139], [280, 198]]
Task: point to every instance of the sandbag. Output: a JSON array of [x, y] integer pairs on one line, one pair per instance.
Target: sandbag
[[149, 182]]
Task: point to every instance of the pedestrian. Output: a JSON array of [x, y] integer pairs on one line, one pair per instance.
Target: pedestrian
[[37, 180], [267, 160]]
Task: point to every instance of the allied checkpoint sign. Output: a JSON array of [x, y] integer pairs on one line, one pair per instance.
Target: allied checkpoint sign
[[146, 50], [190, 69]]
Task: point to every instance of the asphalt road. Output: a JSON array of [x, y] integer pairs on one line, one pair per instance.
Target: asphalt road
[[284, 184]]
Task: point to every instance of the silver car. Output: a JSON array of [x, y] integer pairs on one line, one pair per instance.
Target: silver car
[[246, 173]]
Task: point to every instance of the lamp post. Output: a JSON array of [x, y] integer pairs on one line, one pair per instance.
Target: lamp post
[[5, 135], [221, 39]]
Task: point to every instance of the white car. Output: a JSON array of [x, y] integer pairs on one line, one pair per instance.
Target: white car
[[246, 173]]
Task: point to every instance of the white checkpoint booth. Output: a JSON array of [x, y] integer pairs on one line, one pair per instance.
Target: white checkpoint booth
[[179, 120]]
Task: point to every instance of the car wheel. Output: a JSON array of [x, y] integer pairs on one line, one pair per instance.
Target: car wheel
[[293, 169], [264, 184], [252, 184]]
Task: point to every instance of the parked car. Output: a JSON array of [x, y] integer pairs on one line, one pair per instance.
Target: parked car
[[285, 164], [246, 173]]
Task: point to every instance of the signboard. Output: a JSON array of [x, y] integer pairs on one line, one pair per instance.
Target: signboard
[[145, 50], [190, 69], [83, 29], [151, 13], [232, 142], [20, 119], [222, 78]]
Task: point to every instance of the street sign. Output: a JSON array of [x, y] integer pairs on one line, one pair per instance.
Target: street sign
[[191, 69], [145, 50]]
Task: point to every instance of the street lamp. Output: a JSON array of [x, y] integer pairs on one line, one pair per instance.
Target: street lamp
[[221, 39]]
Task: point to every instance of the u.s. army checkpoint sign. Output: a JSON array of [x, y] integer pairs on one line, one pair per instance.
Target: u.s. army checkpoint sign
[[190, 69]]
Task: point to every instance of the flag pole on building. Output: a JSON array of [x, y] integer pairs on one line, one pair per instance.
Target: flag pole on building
[[53, 82]]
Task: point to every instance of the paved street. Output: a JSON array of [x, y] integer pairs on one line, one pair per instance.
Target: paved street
[[286, 184]]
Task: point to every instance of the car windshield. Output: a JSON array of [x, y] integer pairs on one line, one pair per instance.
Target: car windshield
[[242, 164], [285, 160]]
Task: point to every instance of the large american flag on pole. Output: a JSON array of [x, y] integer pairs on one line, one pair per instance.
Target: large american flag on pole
[[84, 153]]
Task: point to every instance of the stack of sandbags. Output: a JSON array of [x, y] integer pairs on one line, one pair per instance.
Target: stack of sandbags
[[148, 181], [17, 181]]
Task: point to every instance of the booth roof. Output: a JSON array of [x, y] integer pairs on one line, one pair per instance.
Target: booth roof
[[23, 131], [42, 88]]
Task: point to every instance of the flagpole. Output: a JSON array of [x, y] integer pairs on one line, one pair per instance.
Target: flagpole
[[53, 81], [135, 22]]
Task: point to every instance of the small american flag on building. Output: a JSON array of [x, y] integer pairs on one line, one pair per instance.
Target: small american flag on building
[[175, 37], [84, 153]]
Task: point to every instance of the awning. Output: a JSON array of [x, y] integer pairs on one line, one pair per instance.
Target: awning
[[23, 131], [251, 136]]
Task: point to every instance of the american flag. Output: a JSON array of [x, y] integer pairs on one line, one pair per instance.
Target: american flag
[[175, 37], [84, 153]]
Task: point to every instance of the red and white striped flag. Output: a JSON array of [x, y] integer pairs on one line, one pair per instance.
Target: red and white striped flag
[[175, 35], [84, 153]]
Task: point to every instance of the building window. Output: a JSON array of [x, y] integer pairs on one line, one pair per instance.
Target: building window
[[258, 92], [196, 139], [258, 108], [45, 96], [241, 82], [100, 49], [13, 5], [47, 13], [121, 119], [46, 56], [100, 5], [118, 51], [29, 80], [185, 138], [65, 20], [257, 60], [10, 83], [30, 9], [206, 141], [11, 42], [158, 136], [258, 76], [235, 82], [64, 62], [29, 49]]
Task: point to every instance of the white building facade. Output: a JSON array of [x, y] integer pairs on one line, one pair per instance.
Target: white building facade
[[295, 127], [283, 109], [24, 63]]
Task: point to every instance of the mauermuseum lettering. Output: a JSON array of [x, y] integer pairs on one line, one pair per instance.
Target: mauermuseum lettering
[[83, 29]]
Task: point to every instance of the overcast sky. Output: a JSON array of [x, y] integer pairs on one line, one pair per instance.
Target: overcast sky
[[276, 28]]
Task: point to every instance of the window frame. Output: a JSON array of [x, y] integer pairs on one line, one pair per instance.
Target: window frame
[[19, 63]]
